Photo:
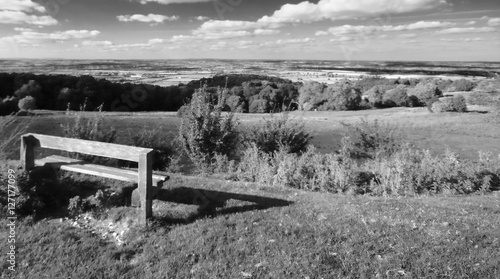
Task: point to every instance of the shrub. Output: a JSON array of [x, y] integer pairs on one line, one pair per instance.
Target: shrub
[[372, 140], [39, 192], [154, 138], [10, 132], [27, 103], [204, 132], [396, 97], [425, 92], [411, 172], [450, 104], [89, 128], [461, 85], [277, 132]]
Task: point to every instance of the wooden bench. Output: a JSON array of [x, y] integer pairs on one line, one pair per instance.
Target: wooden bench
[[144, 176]]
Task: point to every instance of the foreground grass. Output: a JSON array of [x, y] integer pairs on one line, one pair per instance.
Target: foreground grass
[[318, 235]]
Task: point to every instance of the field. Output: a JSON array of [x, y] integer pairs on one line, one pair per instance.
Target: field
[[207, 227]]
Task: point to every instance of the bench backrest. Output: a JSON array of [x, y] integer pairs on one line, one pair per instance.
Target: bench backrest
[[110, 150]]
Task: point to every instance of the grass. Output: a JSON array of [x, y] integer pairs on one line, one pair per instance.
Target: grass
[[318, 236], [206, 227]]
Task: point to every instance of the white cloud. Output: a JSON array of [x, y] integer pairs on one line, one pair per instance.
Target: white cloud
[[96, 43], [32, 38], [223, 35], [20, 29], [342, 39], [343, 9], [372, 29], [466, 30], [266, 32], [494, 21], [201, 18], [472, 22], [18, 17], [462, 40], [21, 6], [166, 2], [294, 41], [150, 18]]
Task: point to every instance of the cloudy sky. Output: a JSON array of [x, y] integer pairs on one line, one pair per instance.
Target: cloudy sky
[[460, 30]]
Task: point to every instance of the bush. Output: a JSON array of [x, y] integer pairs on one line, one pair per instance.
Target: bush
[[10, 133], [154, 138], [461, 85], [425, 92], [27, 103], [372, 140], [40, 192], [411, 172], [450, 104], [89, 128], [396, 97], [205, 133], [278, 132]]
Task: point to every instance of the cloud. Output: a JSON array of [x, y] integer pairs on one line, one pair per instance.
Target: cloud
[[150, 18], [472, 22], [466, 30], [33, 38], [266, 32], [342, 39], [96, 43], [494, 21], [294, 41], [18, 17], [462, 40], [21, 6], [201, 18], [342, 9], [167, 2], [226, 29], [372, 29]]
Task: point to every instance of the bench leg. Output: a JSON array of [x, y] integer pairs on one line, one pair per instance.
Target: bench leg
[[144, 186], [27, 153]]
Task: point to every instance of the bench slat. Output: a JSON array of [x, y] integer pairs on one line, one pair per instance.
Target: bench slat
[[70, 164], [111, 150]]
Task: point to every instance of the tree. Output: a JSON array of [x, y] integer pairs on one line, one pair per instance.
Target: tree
[[311, 95], [425, 92], [205, 133], [341, 96], [32, 88], [396, 97], [27, 103]]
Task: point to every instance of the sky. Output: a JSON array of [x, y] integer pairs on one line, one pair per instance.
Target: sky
[[401, 30]]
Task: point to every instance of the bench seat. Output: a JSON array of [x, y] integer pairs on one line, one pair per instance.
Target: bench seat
[[79, 166]]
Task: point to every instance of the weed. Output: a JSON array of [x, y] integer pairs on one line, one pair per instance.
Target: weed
[[277, 132]]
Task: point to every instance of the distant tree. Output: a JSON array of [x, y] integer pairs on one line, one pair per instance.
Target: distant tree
[[311, 95], [396, 97], [32, 88], [425, 92], [259, 106], [27, 103], [341, 96], [461, 85]]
